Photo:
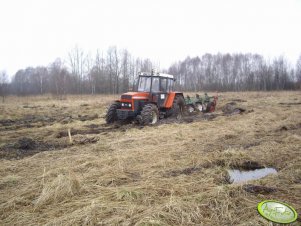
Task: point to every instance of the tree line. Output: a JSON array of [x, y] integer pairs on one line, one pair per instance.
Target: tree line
[[112, 72], [116, 71], [236, 72]]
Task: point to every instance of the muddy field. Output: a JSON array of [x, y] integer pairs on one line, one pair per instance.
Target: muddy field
[[173, 173]]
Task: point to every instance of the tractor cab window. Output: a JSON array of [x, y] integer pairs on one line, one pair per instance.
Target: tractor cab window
[[159, 84], [155, 87], [170, 85], [163, 85], [144, 84]]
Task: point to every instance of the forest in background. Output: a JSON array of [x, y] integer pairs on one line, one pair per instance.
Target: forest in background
[[115, 71]]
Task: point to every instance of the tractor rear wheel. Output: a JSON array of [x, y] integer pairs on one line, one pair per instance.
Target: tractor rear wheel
[[149, 114], [178, 106], [111, 115]]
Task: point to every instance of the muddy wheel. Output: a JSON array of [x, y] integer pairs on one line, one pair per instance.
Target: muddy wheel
[[178, 106], [149, 114], [111, 115]]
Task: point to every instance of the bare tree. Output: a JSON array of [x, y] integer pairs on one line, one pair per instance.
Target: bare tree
[[125, 67], [116, 69], [3, 84], [88, 71], [298, 72], [110, 68], [99, 72], [77, 61], [18, 82], [59, 76], [41, 74]]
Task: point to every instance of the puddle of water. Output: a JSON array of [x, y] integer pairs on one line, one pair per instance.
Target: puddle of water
[[237, 176]]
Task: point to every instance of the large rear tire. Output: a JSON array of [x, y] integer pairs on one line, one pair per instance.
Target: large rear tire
[[178, 106], [111, 115], [149, 114]]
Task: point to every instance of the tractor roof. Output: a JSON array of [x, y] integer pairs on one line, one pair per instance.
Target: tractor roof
[[156, 74]]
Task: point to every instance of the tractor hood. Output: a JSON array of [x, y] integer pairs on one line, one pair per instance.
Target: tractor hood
[[134, 95]]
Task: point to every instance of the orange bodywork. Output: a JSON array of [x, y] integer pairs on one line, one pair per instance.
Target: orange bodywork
[[145, 95], [135, 96], [169, 100]]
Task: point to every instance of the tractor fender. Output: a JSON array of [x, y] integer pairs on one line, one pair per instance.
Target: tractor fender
[[145, 103], [171, 97]]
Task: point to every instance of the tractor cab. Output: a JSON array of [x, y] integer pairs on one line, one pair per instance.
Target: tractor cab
[[158, 82], [157, 85]]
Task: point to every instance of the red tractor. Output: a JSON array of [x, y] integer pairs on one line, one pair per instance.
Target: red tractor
[[153, 99]]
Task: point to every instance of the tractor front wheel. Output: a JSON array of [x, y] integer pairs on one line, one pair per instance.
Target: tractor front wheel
[[111, 115], [149, 114]]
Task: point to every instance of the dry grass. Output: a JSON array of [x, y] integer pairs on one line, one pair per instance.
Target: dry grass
[[171, 174], [59, 189]]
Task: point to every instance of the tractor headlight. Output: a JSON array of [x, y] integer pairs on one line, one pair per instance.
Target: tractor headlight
[[122, 104], [130, 105]]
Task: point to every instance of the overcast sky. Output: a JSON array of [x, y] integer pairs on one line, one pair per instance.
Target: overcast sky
[[36, 32]]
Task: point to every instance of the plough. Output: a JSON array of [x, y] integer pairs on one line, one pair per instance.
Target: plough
[[203, 104]]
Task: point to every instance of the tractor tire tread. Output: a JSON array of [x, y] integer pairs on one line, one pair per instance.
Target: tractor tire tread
[[146, 113], [178, 105], [111, 115]]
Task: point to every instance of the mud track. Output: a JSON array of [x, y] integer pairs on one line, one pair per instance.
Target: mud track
[[36, 121], [25, 145]]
